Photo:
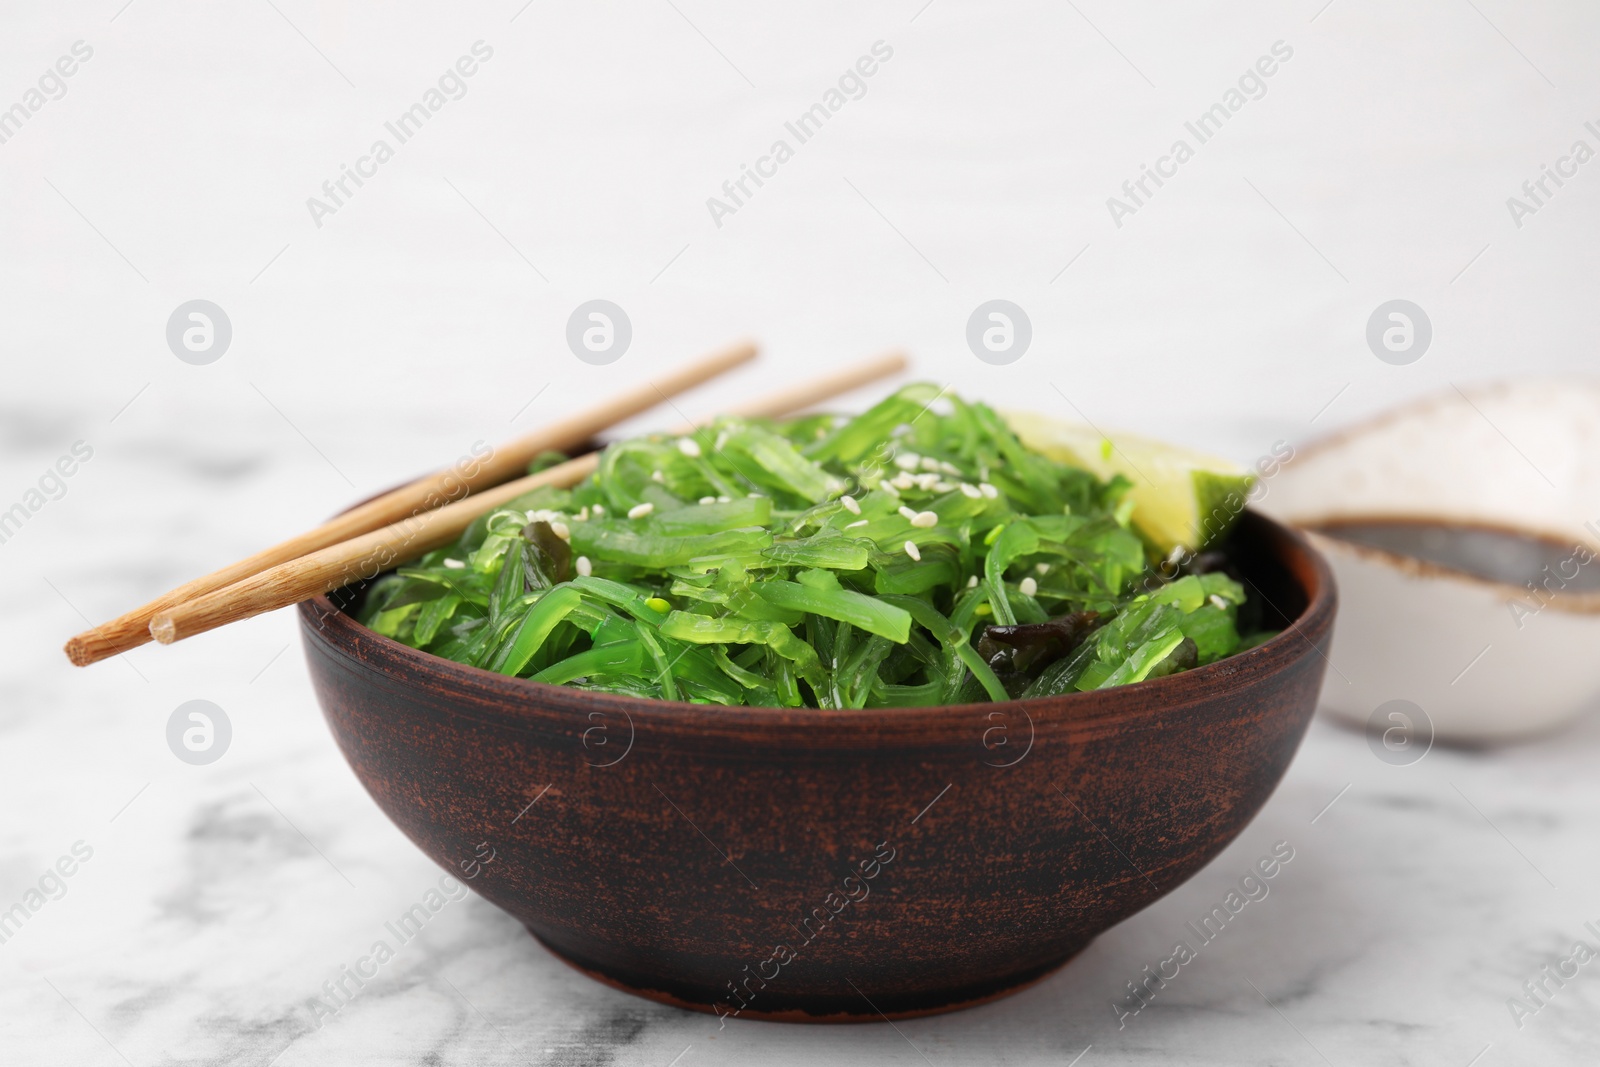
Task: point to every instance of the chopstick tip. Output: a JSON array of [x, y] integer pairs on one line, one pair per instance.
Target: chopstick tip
[[163, 629]]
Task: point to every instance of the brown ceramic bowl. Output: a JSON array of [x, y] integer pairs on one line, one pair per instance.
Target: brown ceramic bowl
[[826, 865]]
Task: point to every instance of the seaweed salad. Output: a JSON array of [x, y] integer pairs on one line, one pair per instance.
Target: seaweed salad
[[916, 554]]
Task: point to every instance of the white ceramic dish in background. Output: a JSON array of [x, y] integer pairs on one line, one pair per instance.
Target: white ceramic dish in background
[[1485, 660]]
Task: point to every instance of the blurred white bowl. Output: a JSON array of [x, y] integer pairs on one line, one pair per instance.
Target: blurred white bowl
[[1486, 660]]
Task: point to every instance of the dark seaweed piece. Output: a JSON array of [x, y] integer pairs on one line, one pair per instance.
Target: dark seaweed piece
[[549, 557], [1019, 649], [1016, 683], [1209, 562], [1061, 675]]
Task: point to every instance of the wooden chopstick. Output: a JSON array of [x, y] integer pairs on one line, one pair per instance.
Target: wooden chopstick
[[372, 553], [133, 629]]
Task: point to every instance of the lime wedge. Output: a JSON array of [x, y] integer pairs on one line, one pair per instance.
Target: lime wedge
[[1180, 497]]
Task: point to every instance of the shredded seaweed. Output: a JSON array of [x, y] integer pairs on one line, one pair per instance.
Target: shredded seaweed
[[917, 553]]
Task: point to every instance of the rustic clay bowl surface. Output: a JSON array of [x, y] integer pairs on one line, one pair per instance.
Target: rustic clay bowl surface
[[826, 865]]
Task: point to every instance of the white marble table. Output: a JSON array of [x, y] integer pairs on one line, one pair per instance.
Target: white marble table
[[218, 899], [427, 313]]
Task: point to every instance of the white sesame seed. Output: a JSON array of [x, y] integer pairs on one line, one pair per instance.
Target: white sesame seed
[[1176, 555], [583, 566], [988, 490], [583, 516], [909, 514], [599, 509], [904, 481], [970, 490], [689, 447], [1042, 568], [972, 583], [561, 530], [754, 496], [942, 486], [907, 461], [913, 551], [639, 511], [708, 500], [950, 468], [657, 476], [1218, 602], [929, 463], [850, 505], [1028, 587], [722, 439], [724, 499], [853, 525], [926, 482], [454, 564], [888, 487], [925, 520]]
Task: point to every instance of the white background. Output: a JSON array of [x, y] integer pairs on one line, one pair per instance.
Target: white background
[[1228, 313]]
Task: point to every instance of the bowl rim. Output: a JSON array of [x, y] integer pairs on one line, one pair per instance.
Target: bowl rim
[[523, 697]]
